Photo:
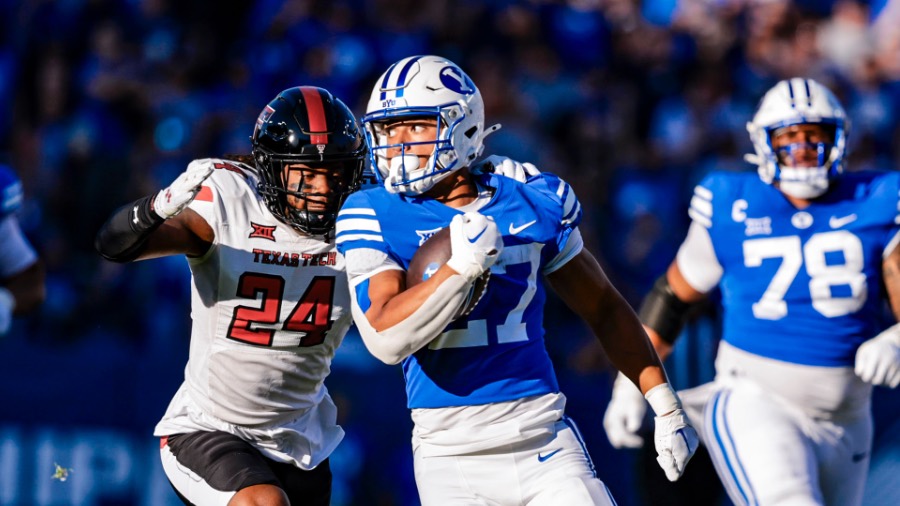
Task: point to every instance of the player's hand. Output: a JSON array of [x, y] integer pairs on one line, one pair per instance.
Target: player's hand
[[676, 441], [475, 244], [878, 359], [624, 414], [506, 167], [172, 200], [7, 303]]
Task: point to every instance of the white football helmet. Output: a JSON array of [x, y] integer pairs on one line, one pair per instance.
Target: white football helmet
[[791, 102], [425, 86]]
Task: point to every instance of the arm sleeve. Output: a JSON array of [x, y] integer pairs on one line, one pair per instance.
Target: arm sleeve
[[393, 345], [125, 233], [16, 253]]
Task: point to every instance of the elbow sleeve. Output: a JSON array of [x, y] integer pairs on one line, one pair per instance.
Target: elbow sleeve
[[123, 236], [394, 344], [663, 311]]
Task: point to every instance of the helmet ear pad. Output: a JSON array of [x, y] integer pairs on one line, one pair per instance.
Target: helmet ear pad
[[307, 128]]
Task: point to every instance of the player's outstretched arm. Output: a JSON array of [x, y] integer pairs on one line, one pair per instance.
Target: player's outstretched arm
[[878, 359], [159, 225], [584, 287]]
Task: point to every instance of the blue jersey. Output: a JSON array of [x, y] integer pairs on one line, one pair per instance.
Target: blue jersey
[[801, 286], [497, 352], [10, 192]]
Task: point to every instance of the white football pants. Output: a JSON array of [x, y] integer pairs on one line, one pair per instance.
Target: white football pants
[[768, 452], [539, 472]]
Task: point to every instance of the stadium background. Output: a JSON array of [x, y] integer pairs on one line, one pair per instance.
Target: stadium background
[[632, 102]]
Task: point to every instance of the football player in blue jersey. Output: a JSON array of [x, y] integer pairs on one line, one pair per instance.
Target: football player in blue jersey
[[488, 414], [21, 270], [805, 257]]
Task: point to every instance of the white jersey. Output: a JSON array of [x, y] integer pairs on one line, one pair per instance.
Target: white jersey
[[269, 308]]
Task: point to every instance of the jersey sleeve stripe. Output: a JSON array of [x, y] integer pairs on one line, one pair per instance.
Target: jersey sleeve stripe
[[570, 202], [346, 237], [701, 206], [356, 210], [703, 193], [362, 224], [699, 218], [570, 218], [561, 190]]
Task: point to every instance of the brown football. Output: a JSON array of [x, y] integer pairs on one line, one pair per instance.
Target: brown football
[[430, 257]]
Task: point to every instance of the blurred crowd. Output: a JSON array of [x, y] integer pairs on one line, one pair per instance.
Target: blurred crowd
[[630, 101]]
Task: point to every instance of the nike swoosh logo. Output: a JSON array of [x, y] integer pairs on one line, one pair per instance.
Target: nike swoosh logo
[[836, 222], [473, 239], [858, 456], [542, 458], [515, 230]]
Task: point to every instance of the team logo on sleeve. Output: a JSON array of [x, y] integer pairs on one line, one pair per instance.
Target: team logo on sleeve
[[262, 232]]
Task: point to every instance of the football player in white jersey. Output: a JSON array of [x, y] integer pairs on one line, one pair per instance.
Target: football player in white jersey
[[805, 257], [253, 422], [21, 270], [489, 417]]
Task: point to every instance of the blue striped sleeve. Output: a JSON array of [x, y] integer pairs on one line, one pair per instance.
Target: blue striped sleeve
[[701, 210], [358, 227]]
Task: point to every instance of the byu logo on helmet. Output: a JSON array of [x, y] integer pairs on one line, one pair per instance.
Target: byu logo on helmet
[[432, 88], [454, 79]]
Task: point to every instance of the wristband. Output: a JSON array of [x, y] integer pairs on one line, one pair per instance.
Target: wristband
[[662, 399]]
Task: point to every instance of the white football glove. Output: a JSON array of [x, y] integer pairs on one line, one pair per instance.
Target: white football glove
[[506, 167], [7, 303], [475, 244], [172, 200], [878, 359], [675, 438], [624, 414]]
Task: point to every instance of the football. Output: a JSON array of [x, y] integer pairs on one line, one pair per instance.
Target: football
[[430, 256]]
